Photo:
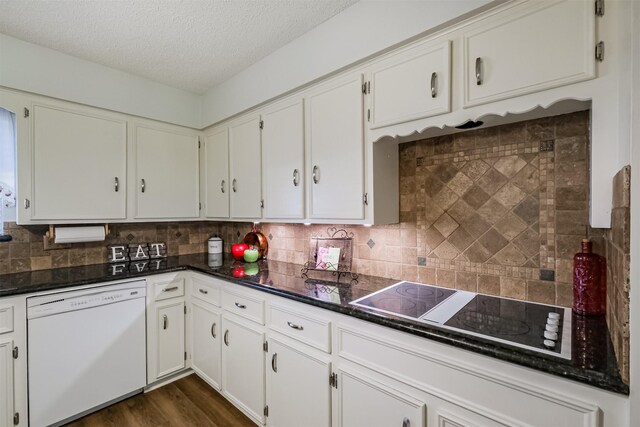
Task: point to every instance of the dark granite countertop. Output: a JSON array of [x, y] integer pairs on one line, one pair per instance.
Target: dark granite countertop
[[593, 360]]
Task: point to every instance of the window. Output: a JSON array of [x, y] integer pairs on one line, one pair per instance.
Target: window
[[7, 167]]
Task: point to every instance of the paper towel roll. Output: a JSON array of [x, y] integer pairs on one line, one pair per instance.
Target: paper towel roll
[[79, 234]]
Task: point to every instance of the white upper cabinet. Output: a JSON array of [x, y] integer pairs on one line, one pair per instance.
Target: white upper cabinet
[[215, 179], [545, 45], [410, 84], [166, 173], [78, 164], [283, 160], [245, 165], [335, 140]]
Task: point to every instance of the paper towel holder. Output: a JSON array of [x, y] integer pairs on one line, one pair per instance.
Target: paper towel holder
[[50, 235]]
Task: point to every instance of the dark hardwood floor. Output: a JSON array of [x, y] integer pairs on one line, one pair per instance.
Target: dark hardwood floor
[[186, 402]]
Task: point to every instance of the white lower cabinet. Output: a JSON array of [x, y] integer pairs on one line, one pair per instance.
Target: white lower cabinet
[[6, 383], [365, 402], [243, 376], [166, 314], [298, 390], [205, 342], [169, 337]]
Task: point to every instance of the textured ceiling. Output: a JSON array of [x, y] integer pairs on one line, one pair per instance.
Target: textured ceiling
[[188, 44]]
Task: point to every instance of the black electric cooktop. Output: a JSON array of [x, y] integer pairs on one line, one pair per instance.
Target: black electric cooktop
[[537, 327]]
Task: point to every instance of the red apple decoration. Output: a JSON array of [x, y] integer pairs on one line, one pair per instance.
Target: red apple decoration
[[238, 271], [238, 249]]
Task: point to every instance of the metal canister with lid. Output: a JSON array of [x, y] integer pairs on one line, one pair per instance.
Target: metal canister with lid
[[214, 245]]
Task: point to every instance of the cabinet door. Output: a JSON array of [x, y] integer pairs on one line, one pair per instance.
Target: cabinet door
[[205, 353], [167, 174], [335, 135], [243, 366], [6, 383], [244, 159], [411, 85], [298, 391], [79, 165], [169, 338], [283, 160], [365, 402], [216, 174], [511, 55]]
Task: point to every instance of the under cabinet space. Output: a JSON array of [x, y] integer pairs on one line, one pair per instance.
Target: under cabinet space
[[509, 54], [410, 85]]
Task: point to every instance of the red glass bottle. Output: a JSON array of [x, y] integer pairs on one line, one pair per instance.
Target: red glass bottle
[[589, 282]]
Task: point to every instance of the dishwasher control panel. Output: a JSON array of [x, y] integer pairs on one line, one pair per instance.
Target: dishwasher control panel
[[91, 297]]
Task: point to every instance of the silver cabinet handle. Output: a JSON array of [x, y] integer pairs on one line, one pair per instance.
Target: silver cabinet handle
[[406, 422], [434, 84], [143, 185], [171, 289], [226, 338], [203, 291], [296, 177], [242, 306], [213, 330], [478, 71], [316, 179], [294, 326], [165, 322], [233, 185], [222, 186], [116, 184], [274, 362]]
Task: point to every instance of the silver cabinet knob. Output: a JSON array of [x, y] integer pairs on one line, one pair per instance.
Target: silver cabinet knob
[[116, 184], [233, 185], [222, 186], [143, 185], [274, 362], [213, 330], [406, 422], [294, 326], [226, 338], [241, 306], [316, 175], [165, 322]]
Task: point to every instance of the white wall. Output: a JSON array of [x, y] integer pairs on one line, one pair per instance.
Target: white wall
[[36, 69], [358, 32]]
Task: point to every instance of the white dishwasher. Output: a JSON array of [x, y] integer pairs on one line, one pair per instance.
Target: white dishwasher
[[86, 349]]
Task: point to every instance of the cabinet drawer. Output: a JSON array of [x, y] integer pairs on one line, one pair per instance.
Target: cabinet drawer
[[169, 289], [244, 305], [205, 290], [6, 319], [313, 331]]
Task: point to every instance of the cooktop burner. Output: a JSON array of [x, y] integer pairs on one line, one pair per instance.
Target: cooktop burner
[[539, 327], [406, 299]]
